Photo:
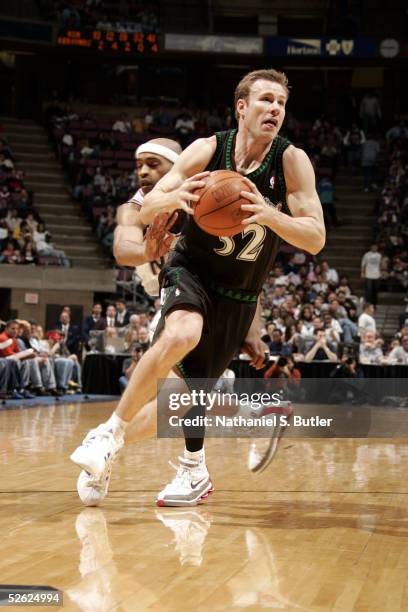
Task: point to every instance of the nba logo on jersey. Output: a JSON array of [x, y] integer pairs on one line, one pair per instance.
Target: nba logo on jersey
[[272, 182]]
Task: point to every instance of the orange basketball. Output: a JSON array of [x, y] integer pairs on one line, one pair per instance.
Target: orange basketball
[[218, 211]]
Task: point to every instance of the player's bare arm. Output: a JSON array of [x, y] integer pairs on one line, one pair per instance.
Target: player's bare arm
[[130, 247], [176, 189], [128, 244], [305, 229]]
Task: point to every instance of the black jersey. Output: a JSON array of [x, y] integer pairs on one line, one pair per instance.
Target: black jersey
[[242, 261]]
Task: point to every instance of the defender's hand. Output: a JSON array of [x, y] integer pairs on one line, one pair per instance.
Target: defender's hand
[[158, 238]]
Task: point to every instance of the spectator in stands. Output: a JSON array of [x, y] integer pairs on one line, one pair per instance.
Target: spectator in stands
[[90, 322], [284, 367], [42, 366], [321, 349], [28, 253], [129, 365], [13, 219], [369, 155], [122, 124], [371, 273], [276, 345], [185, 128], [366, 321], [144, 338], [370, 112], [67, 367], [267, 337], [4, 377], [370, 351], [353, 141], [397, 132], [9, 349], [399, 354], [106, 228], [347, 368], [10, 254], [403, 318], [132, 331], [122, 314], [330, 274], [110, 316], [332, 330], [46, 248], [320, 286], [69, 333]]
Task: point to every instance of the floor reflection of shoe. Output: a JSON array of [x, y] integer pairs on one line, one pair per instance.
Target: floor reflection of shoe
[[97, 451], [190, 486], [96, 566], [262, 451], [190, 528]]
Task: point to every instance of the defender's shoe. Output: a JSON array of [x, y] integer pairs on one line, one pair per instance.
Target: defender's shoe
[[190, 486], [98, 450], [262, 451]]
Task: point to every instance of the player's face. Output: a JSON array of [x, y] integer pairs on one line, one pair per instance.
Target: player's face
[[264, 110], [150, 168]]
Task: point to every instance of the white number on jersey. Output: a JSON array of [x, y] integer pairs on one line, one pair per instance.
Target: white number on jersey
[[251, 250]]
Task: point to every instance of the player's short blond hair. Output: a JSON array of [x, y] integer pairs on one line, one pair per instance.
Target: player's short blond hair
[[243, 88]]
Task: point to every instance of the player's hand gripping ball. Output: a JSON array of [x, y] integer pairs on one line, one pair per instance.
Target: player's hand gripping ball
[[218, 211], [159, 238]]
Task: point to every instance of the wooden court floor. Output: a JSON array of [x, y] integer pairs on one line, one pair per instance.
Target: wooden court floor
[[325, 528]]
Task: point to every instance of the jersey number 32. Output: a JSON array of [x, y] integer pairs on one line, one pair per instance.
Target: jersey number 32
[[253, 247]]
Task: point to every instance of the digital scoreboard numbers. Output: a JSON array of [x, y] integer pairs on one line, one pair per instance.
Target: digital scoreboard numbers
[[110, 40]]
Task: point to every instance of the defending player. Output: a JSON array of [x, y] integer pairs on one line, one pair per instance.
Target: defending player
[[198, 340], [145, 251]]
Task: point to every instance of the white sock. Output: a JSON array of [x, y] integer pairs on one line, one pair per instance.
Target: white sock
[[116, 424], [195, 456]]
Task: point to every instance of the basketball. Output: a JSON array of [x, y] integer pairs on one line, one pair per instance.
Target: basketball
[[218, 211]]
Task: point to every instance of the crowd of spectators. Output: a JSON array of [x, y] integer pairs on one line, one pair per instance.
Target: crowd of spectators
[[391, 232], [310, 315], [34, 363], [131, 16], [23, 236], [97, 153]]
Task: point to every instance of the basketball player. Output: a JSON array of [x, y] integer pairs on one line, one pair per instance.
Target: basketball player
[[202, 327], [144, 251]]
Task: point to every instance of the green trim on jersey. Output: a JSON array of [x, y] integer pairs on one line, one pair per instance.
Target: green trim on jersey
[[234, 294], [230, 165], [278, 147]]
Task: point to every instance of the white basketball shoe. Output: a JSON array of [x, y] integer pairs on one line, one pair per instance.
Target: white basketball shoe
[[93, 491], [262, 451], [190, 486], [190, 530], [98, 450]]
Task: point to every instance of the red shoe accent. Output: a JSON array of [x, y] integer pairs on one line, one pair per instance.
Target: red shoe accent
[[277, 410], [207, 494], [161, 503]]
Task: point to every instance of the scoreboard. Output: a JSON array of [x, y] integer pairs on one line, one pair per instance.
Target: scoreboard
[[109, 40]]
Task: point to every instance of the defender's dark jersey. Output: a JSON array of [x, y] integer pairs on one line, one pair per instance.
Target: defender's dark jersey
[[242, 261]]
